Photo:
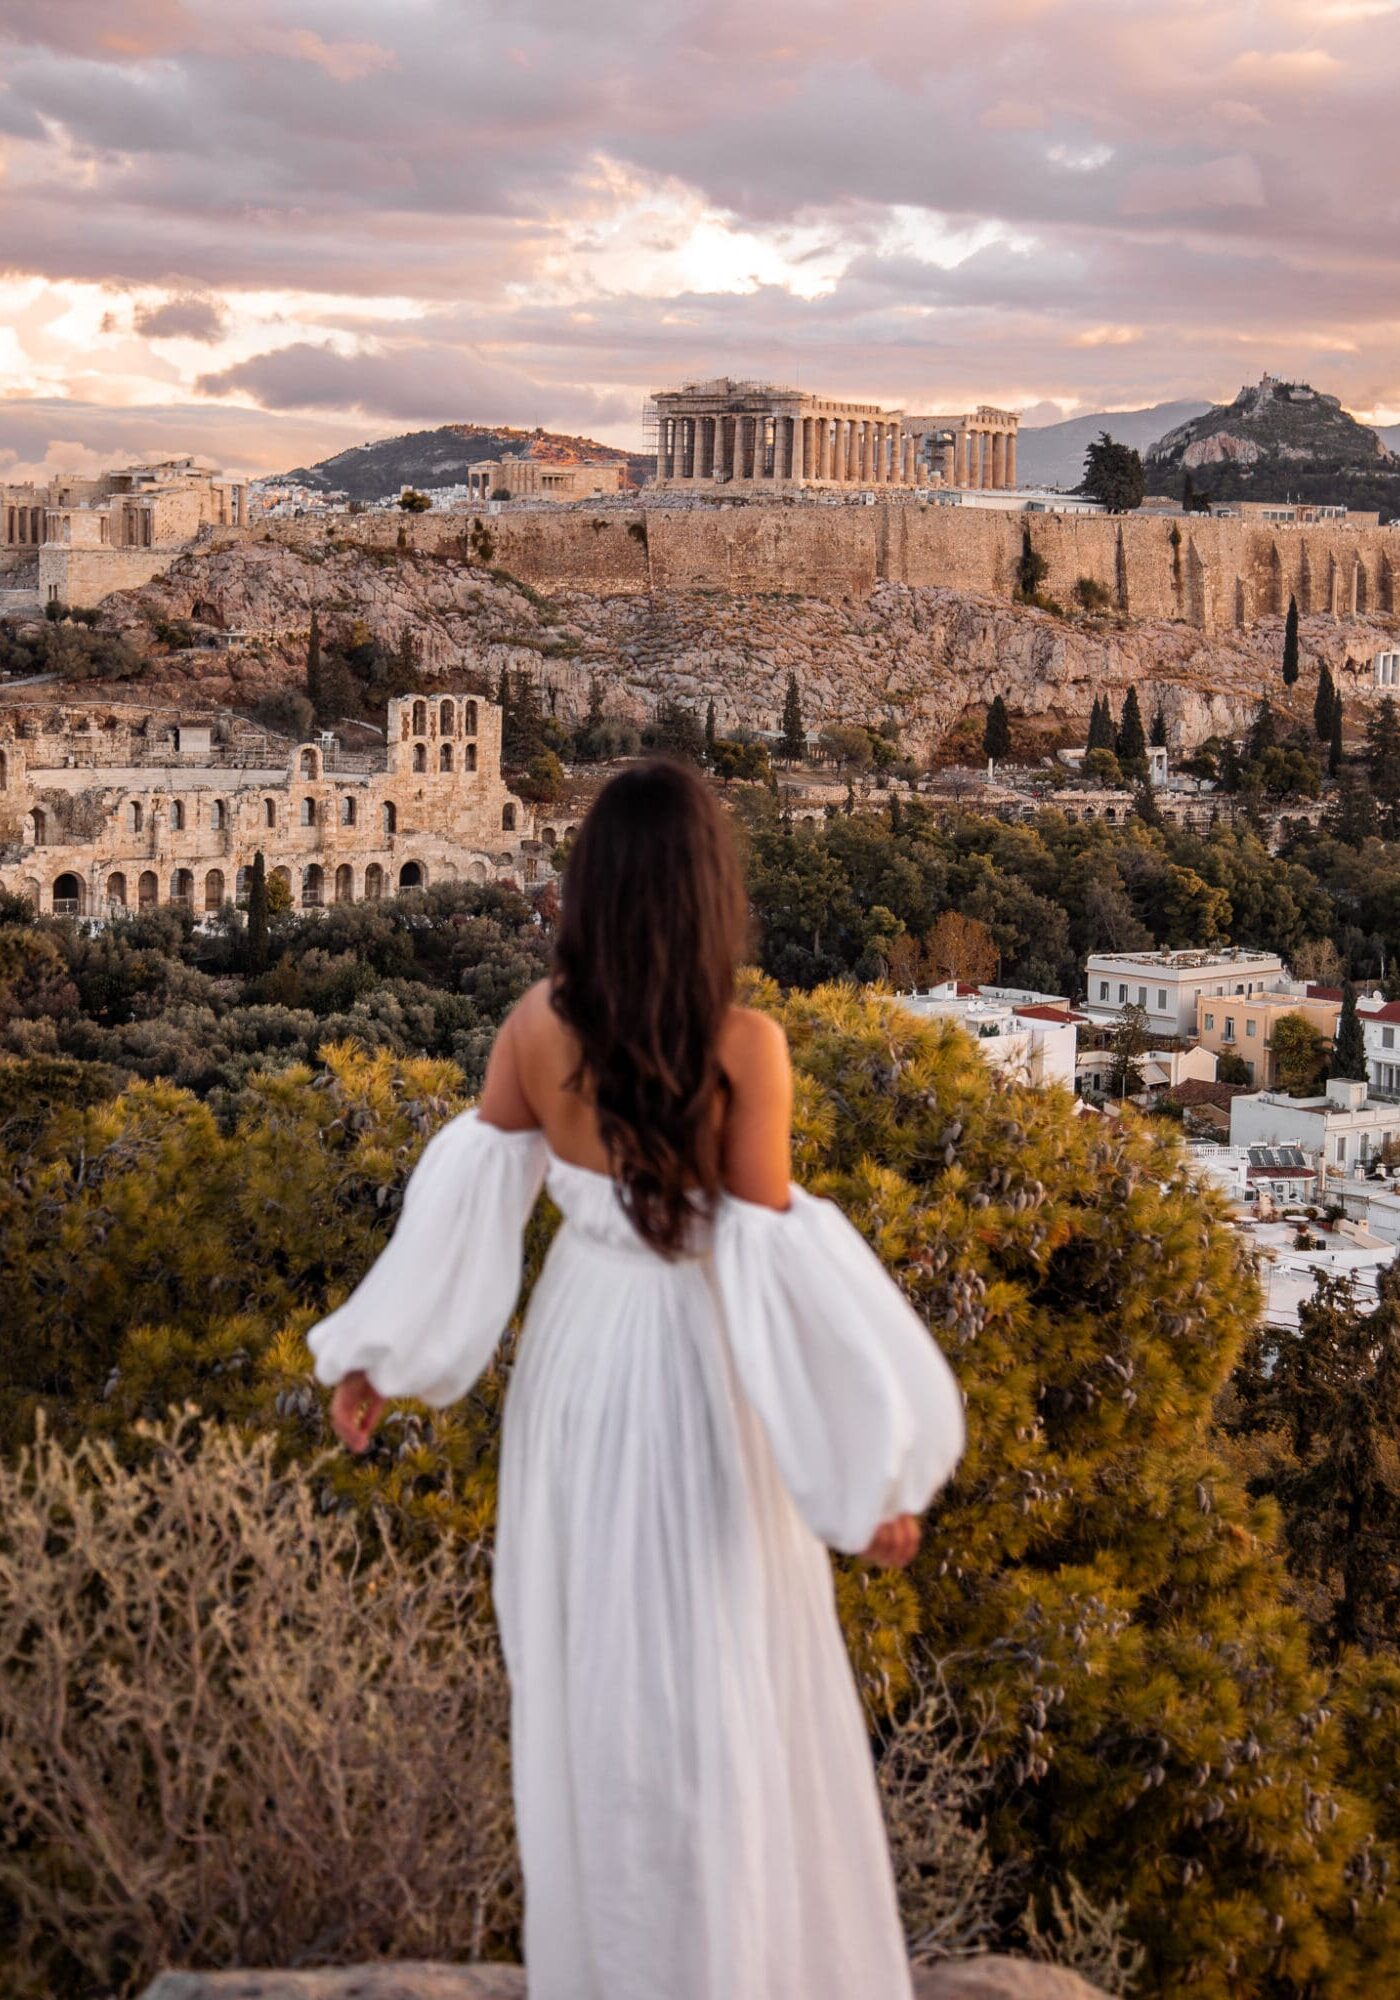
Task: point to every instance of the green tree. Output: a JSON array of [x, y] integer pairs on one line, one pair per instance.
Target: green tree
[[1349, 1049], [1131, 744], [1290, 644], [1102, 733], [794, 729], [257, 938], [1157, 734], [1263, 733], [1323, 704], [1335, 750], [710, 730], [413, 502], [1383, 758], [524, 733], [996, 736], [676, 730], [1113, 475], [748, 762], [313, 662], [1300, 1055], [1101, 767], [1130, 1041]]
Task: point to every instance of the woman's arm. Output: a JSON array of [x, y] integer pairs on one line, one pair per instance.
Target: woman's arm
[[504, 1102], [756, 1157]]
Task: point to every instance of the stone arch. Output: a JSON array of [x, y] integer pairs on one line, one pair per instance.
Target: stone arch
[[347, 810], [447, 718], [69, 895], [508, 818], [218, 816], [420, 757], [374, 882], [308, 812], [182, 887], [390, 816], [135, 815], [549, 836], [177, 815], [412, 876], [470, 723], [214, 890], [444, 756], [309, 764], [345, 883], [477, 871], [147, 890], [116, 891], [36, 828], [269, 812], [420, 718], [312, 886], [283, 874], [471, 756]]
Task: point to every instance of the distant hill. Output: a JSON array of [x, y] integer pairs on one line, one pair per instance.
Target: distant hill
[[1053, 454], [376, 471], [1279, 440]]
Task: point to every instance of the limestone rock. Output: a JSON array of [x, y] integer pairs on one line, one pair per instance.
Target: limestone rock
[[963, 1979]]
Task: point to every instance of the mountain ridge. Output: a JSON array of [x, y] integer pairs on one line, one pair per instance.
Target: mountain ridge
[[377, 469], [1053, 454]]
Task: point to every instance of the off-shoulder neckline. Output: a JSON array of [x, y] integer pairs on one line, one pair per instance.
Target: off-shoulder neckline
[[596, 1173]]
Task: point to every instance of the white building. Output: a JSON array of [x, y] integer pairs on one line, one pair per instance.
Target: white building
[[1342, 1130], [1160, 1069], [1035, 1041], [1165, 984], [1242, 1173], [1380, 1027]]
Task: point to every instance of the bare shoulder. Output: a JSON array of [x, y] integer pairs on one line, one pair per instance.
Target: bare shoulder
[[753, 1047]]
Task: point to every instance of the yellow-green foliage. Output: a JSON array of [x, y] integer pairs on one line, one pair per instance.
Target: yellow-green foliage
[[1097, 1583]]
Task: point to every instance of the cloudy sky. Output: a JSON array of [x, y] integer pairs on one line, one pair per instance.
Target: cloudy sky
[[265, 229]]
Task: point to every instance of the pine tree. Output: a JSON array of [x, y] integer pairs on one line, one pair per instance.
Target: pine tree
[[1102, 732], [710, 731], [257, 937], [1383, 759], [794, 731], [996, 737], [1334, 745], [313, 662], [1130, 745], [1263, 733], [1349, 1049], [1322, 706], [1290, 644], [1157, 735]]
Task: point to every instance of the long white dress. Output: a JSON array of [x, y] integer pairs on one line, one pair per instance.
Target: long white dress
[[695, 1795]]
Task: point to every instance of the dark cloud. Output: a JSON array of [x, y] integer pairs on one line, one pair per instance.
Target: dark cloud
[[188, 318]]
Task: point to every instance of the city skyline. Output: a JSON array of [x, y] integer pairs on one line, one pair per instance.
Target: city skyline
[[269, 234]]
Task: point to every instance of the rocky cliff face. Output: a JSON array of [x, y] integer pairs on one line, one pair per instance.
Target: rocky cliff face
[[1275, 439], [923, 656]]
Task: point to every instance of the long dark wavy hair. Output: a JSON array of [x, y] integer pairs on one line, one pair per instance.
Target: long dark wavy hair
[[653, 924]]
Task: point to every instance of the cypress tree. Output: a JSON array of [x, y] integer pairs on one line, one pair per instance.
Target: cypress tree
[[710, 731], [1131, 741], [996, 737], [1101, 729], [1290, 644], [794, 731], [1349, 1049], [1322, 706], [1334, 745], [257, 916], [313, 662], [1157, 735], [1263, 733]]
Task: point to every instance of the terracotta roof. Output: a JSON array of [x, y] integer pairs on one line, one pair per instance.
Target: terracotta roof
[[1323, 993], [1041, 1012], [1196, 1090], [1389, 1012]]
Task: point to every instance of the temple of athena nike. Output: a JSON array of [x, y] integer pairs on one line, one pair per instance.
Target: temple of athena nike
[[759, 436]]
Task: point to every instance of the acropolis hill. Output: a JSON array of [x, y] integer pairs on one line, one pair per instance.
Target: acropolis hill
[[894, 608]]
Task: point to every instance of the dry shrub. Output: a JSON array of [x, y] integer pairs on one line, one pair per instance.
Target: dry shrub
[[227, 1735]]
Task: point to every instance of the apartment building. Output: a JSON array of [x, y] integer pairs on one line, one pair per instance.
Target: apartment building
[[1243, 1025], [1167, 984]]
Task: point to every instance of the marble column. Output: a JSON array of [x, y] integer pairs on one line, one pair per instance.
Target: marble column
[[986, 442], [804, 436], [999, 459], [782, 449], [708, 427], [867, 454], [1011, 459], [838, 451]]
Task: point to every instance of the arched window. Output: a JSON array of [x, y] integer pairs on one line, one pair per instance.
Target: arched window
[[507, 819], [269, 812], [471, 756], [218, 816], [148, 890], [242, 883], [374, 882], [39, 821], [68, 896], [447, 719], [308, 763], [281, 873], [311, 890], [410, 876], [177, 815], [391, 818], [549, 836], [444, 756], [420, 756], [116, 892], [347, 810], [182, 888], [345, 883], [471, 718], [135, 816], [308, 812], [420, 718], [214, 889]]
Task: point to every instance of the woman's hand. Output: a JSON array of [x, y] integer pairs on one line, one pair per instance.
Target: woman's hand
[[896, 1543], [356, 1408]]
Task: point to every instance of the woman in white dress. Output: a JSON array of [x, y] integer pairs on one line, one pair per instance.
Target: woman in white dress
[[716, 1378]]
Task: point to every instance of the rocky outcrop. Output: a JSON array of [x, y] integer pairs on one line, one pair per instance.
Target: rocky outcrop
[[962, 1979], [923, 656]]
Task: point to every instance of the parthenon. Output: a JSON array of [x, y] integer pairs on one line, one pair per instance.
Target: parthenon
[[757, 435]]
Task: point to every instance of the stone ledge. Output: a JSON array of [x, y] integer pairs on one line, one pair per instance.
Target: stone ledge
[[990, 1978]]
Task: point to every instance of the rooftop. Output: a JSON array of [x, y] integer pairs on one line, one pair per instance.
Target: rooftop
[[1185, 961]]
